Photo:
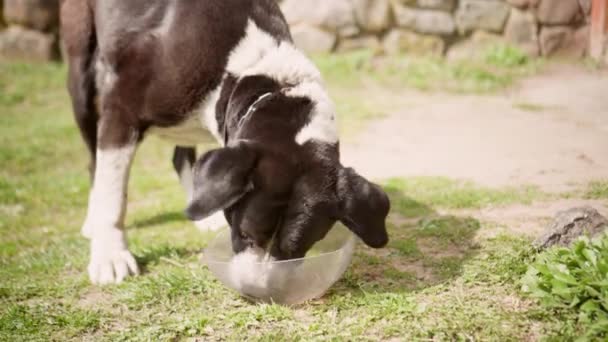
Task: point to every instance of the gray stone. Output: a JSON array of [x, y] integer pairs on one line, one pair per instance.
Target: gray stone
[[312, 39], [521, 30], [425, 21], [335, 15], [490, 15], [443, 5], [408, 42], [564, 41], [359, 43], [24, 44], [559, 12], [37, 14], [474, 48], [372, 15], [585, 6], [571, 224], [523, 3]]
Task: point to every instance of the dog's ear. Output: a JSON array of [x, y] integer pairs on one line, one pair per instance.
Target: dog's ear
[[307, 219], [221, 178], [363, 207]]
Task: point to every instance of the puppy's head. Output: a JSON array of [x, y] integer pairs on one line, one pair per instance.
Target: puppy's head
[[277, 190]]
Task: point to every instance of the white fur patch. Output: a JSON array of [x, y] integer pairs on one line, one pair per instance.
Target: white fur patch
[[165, 25], [212, 223], [106, 76], [206, 113], [323, 125], [253, 273], [258, 53], [186, 179], [110, 261]]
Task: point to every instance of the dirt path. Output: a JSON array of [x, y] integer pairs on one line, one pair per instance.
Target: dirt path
[[550, 131]]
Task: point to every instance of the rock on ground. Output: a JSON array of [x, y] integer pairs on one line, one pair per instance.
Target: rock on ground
[[443, 5], [564, 41], [521, 30], [482, 14], [475, 47], [20, 43], [368, 42], [523, 3], [335, 15], [37, 14], [570, 225], [403, 41], [425, 21], [559, 12], [312, 39], [373, 15]]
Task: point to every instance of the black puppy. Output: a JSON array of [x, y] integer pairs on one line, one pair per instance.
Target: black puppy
[[268, 183]]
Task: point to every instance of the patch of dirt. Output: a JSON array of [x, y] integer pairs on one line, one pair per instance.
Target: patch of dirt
[[95, 298], [527, 220], [431, 248], [550, 131]]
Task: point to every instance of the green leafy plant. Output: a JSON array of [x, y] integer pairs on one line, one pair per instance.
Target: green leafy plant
[[574, 279], [506, 56]]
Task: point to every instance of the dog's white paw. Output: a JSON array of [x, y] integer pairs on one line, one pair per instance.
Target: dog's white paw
[[212, 223], [111, 262]]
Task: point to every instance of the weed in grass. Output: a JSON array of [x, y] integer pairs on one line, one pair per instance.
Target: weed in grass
[[506, 56], [597, 190], [443, 192], [529, 107], [574, 279], [500, 66]]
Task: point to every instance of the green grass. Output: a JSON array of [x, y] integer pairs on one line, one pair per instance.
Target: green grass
[[574, 280], [529, 107], [499, 67], [435, 281], [597, 190], [426, 192]]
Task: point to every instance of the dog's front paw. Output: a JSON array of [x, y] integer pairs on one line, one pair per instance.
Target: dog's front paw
[[111, 262], [212, 223]]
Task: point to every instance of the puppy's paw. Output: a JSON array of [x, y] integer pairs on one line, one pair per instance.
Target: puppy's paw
[[111, 262], [212, 223]]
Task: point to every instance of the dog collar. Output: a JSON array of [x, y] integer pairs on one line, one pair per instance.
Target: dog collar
[[252, 109]]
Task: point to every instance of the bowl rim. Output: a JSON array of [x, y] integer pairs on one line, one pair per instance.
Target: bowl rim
[[351, 240]]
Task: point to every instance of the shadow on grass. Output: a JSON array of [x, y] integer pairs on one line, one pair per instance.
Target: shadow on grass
[[425, 249], [154, 255], [175, 216]]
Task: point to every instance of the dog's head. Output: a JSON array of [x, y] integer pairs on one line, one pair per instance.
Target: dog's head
[[279, 177]]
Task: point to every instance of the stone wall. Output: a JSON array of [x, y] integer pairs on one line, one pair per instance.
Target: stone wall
[[31, 31], [455, 28], [452, 28]]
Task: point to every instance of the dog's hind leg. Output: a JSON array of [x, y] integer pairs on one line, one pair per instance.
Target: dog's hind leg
[[78, 36], [183, 162]]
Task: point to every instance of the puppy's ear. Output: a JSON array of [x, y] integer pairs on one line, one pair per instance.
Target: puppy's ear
[[363, 207], [307, 218], [221, 178]]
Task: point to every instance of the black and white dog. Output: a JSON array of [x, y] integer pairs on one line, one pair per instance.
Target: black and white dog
[[184, 69]]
